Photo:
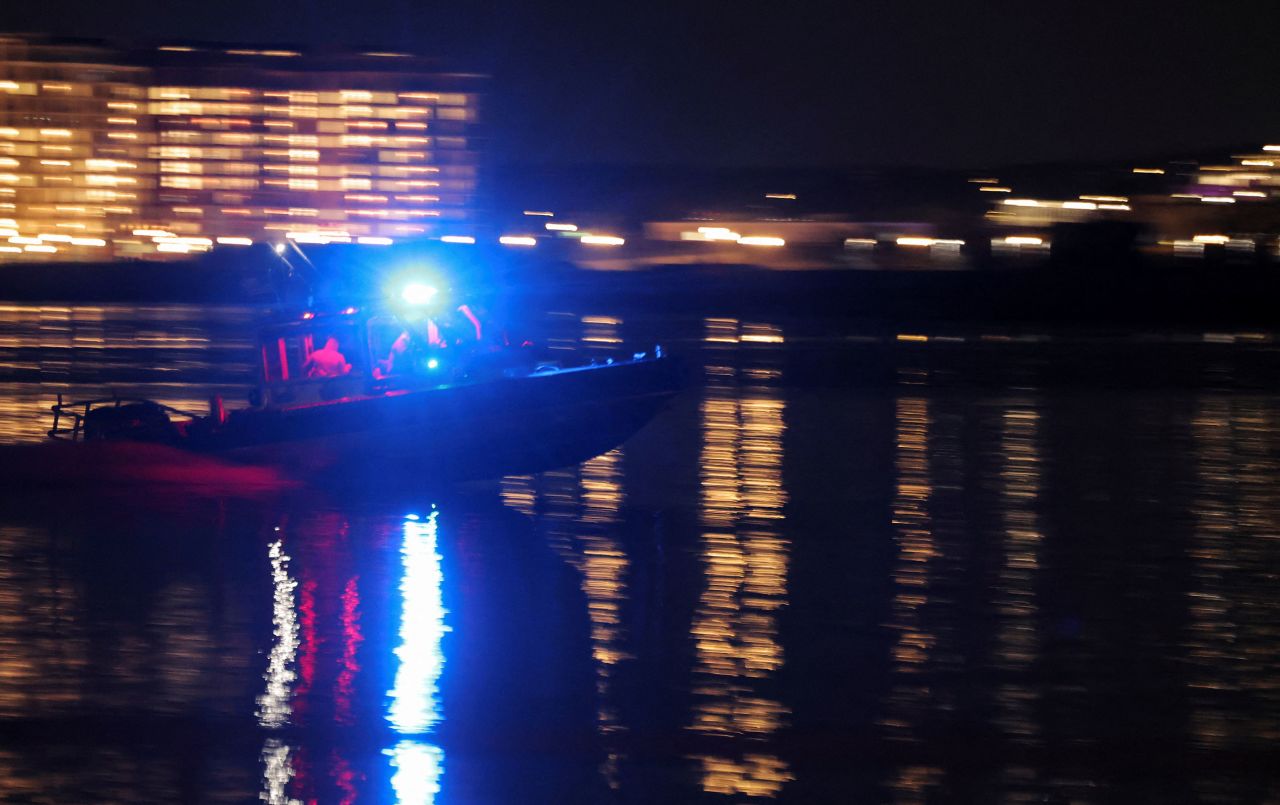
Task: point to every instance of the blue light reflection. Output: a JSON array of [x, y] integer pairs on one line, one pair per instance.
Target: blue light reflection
[[418, 766], [415, 696], [415, 706]]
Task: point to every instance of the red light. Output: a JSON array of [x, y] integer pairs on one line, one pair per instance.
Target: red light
[[308, 315]]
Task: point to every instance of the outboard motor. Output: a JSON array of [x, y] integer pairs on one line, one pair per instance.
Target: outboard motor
[[134, 422]]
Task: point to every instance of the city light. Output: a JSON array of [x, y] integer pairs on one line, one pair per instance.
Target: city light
[[517, 240], [718, 233], [219, 161], [603, 240], [457, 239], [554, 227], [761, 240]]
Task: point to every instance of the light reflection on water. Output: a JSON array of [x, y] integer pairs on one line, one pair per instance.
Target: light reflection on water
[[415, 699], [1046, 592], [415, 707], [744, 555]]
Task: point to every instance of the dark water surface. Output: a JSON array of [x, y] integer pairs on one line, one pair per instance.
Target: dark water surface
[[845, 566]]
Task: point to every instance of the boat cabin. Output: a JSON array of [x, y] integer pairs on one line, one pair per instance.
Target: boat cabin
[[323, 357]]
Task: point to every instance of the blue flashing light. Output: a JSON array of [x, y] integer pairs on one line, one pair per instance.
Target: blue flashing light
[[412, 517], [433, 364], [416, 293]]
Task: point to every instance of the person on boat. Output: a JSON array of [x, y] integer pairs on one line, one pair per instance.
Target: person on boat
[[327, 361], [396, 357]]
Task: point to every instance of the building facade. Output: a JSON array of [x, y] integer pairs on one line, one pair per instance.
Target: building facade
[[112, 152]]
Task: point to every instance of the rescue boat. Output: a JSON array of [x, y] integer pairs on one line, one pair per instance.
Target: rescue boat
[[385, 395]]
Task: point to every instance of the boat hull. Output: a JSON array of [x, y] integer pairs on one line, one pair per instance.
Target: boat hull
[[450, 433]]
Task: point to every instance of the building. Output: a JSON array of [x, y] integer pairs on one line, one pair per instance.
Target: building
[[109, 152]]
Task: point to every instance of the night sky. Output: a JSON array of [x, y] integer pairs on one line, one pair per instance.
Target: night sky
[[791, 83]]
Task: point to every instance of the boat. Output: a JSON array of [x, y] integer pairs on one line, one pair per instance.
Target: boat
[[384, 395]]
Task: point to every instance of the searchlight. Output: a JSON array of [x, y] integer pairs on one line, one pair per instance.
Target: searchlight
[[415, 293]]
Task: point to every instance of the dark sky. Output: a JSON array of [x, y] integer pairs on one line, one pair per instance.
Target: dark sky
[[791, 82]]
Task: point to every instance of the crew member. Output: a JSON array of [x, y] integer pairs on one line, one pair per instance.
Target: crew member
[[327, 361]]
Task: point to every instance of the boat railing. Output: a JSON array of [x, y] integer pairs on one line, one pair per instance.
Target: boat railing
[[78, 410]]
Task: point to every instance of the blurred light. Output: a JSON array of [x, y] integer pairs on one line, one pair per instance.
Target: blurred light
[[603, 240], [152, 233], [88, 242], [40, 248], [1112, 199], [718, 233], [1159, 171], [762, 240], [347, 311], [787, 196], [1217, 200], [1023, 240], [554, 227], [1271, 148], [1218, 240], [416, 293], [433, 364], [279, 248], [236, 241], [543, 213], [517, 240], [1122, 207], [914, 241], [374, 241], [25, 241], [1266, 163], [1249, 194], [308, 316], [1021, 202], [990, 189], [1079, 205], [165, 246], [458, 239], [984, 180]]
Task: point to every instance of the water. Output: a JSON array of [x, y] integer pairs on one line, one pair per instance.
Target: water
[[848, 566]]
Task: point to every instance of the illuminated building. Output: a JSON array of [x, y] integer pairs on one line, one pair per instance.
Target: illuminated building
[[107, 151]]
